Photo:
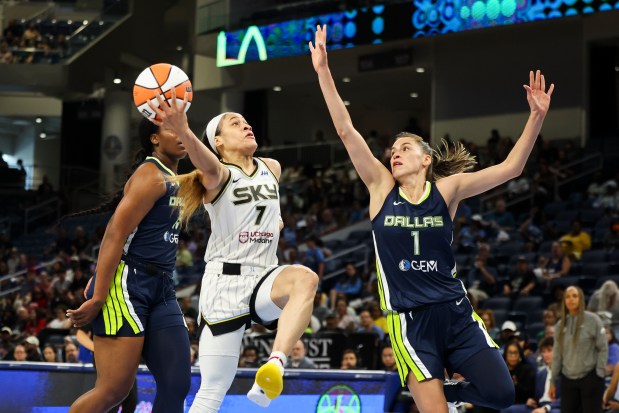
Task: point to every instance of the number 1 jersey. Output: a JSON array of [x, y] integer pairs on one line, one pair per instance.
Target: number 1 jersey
[[414, 262]]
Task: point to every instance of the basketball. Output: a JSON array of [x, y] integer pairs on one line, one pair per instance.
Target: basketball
[[162, 78]]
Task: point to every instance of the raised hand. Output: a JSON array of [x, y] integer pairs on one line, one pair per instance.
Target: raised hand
[[538, 98], [319, 49], [172, 116]]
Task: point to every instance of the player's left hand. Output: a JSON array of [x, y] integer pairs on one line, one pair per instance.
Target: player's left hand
[[538, 98], [319, 48]]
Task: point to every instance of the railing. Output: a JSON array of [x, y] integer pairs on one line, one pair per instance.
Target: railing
[[40, 211], [594, 163], [342, 254], [19, 275]]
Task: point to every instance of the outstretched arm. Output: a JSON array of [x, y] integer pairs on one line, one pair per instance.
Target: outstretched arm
[[374, 174], [173, 117], [466, 185]]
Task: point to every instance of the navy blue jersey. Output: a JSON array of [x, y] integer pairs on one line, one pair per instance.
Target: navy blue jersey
[[414, 260], [155, 239]]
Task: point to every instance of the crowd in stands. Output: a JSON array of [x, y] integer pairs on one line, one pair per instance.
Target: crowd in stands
[[36, 41], [516, 262]]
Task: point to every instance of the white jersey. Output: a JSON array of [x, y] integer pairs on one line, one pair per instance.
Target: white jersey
[[245, 218]]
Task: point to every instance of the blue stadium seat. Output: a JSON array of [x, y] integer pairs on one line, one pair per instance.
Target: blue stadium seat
[[494, 303], [594, 256]]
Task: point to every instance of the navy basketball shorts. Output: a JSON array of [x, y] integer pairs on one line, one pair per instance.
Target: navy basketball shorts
[[439, 337], [136, 303]]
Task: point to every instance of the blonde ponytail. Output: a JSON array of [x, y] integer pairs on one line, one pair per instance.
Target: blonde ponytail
[[191, 193], [452, 158]]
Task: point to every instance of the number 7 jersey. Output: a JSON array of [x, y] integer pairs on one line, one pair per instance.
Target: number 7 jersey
[[414, 261], [245, 218]]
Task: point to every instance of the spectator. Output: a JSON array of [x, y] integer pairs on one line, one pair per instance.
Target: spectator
[[490, 322], [542, 402], [522, 281], [249, 357], [298, 358], [501, 218], [532, 229], [550, 319], [350, 360], [610, 400], [482, 278], [187, 308], [3, 163], [19, 353], [554, 266], [61, 320], [6, 347], [508, 333], [579, 356], [332, 323], [350, 284], [320, 309], [314, 256], [523, 374], [613, 350], [366, 325], [184, 258], [387, 358], [576, 241], [31, 344], [49, 354], [70, 353], [606, 299], [346, 321], [472, 234], [31, 35], [380, 320], [610, 198]]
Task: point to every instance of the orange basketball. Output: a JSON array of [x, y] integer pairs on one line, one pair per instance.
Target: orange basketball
[[162, 78]]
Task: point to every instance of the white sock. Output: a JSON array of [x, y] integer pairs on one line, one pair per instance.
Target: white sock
[[278, 358]]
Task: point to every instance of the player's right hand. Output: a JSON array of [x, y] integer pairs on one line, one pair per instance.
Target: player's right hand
[[85, 314]]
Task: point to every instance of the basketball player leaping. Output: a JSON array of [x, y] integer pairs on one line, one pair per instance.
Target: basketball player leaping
[[431, 323], [242, 281]]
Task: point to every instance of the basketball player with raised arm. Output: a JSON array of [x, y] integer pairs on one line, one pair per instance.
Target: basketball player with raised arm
[[432, 325], [242, 281]]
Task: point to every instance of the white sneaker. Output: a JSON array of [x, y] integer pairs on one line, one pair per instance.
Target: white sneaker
[[268, 385]]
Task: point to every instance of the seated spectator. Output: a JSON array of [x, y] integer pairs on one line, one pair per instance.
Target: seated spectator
[[320, 309], [350, 360], [576, 241], [350, 284], [606, 299], [49, 354], [471, 234], [346, 321], [314, 256], [542, 402], [613, 350], [298, 357], [490, 322], [184, 258], [331, 323], [380, 320], [387, 358], [610, 198], [550, 320], [6, 347], [501, 218], [522, 281], [523, 374], [70, 353], [61, 320], [249, 357], [482, 278], [556, 265], [533, 228], [31, 344], [610, 400], [19, 353], [366, 325], [508, 333]]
